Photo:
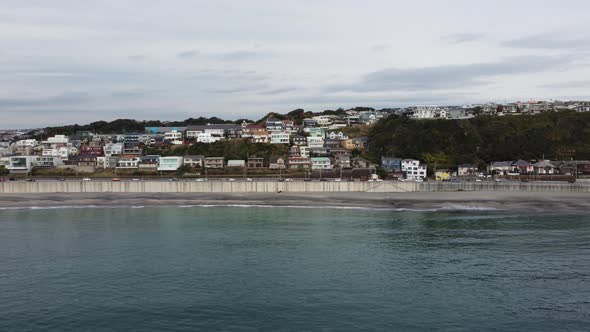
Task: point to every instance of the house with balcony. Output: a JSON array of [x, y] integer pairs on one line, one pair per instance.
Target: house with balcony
[[214, 162], [321, 163], [273, 124], [413, 169], [149, 162], [279, 137], [315, 141], [255, 162], [298, 162], [195, 161]]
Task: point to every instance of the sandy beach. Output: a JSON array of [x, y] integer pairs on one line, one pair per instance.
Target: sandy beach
[[498, 201]]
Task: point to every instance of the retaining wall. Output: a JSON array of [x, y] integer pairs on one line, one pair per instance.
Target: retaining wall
[[202, 187]]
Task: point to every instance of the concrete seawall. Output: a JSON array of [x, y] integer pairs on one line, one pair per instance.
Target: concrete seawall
[[273, 187]]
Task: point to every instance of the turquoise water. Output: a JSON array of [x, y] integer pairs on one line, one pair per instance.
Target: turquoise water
[[206, 268]]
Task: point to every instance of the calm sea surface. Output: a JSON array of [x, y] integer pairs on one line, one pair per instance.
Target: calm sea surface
[[221, 268]]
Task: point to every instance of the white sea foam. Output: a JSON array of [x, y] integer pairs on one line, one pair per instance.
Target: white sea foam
[[448, 208]]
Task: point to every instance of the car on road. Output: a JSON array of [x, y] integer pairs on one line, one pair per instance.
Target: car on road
[[30, 180], [248, 180], [307, 180], [135, 179], [2, 179], [86, 179], [116, 180], [201, 180], [337, 180]]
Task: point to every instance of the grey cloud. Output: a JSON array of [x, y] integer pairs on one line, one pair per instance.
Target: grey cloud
[[137, 57], [59, 100], [460, 38], [279, 91], [380, 47], [548, 42], [450, 76], [239, 89], [567, 85], [188, 54], [240, 55]]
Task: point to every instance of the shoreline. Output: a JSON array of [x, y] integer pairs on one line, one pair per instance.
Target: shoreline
[[419, 201]]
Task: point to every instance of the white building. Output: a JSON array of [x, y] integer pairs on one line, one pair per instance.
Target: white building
[[321, 163], [279, 137], [27, 143], [174, 136], [324, 121], [57, 139], [413, 169], [304, 151], [336, 135], [128, 162], [207, 138], [113, 149], [21, 164], [170, 163], [236, 163], [315, 142]]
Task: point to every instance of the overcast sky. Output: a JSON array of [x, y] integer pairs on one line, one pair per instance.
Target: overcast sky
[[72, 61]]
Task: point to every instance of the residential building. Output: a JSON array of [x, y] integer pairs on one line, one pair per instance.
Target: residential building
[[332, 143], [170, 163], [194, 161], [113, 149], [175, 137], [150, 162], [343, 162], [236, 163], [128, 162], [261, 137], [279, 137], [215, 130], [57, 139], [500, 167], [338, 135], [298, 162], [315, 141], [273, 124], [214, 162], [522, 167], [544, 167], [277, 163], [21, 164], [163, 130], [255, 162], [305, 151], [48, 162], [348, 144], [358, 162], [207, 138], [360, 142], [413, 169], [321, 163], [299, 140], [26, 142], [466, 170], [391, 164]]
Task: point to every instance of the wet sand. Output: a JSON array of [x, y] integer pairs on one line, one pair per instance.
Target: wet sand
[[493, 201]]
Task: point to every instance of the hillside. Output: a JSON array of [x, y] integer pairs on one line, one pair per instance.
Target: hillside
[[562, 135]]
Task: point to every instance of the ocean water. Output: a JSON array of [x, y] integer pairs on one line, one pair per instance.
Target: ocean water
[[273, 269]]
